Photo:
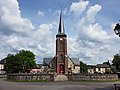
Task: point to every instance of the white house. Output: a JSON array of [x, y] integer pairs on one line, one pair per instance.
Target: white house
[[99, 68], [2, 67]]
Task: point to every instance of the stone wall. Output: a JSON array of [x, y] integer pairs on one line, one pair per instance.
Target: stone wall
[[95, 77], [3, 76], [28, 77], [51, 77]]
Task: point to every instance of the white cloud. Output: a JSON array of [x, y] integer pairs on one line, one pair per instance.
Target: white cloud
[[11, 17], [40, 13], [90, 28], [13, 40], [73, 47], [20, 33], [93, 42], [92, 11], [78, 7], [44, 32]]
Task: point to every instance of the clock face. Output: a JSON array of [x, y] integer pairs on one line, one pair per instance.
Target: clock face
[[61, 39]]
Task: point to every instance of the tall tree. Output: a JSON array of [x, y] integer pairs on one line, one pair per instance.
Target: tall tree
[[20, 62], [116, 63], [107, 63], [27, 58], [12, 64], [83, 67]]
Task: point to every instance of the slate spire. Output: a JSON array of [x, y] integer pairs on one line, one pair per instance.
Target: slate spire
[[61, 25], [61, 30]]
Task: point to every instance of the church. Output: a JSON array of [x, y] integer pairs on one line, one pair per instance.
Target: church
[[61, 62]]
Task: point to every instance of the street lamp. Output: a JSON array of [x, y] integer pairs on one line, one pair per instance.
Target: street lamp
[[117, 29]]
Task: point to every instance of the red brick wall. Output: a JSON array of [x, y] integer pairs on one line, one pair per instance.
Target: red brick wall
[[63, 52]]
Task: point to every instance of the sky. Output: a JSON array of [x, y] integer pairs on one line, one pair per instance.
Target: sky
[[33, 24]]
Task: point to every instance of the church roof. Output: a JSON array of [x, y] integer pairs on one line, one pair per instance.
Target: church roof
[[75, 61], [46, 61]]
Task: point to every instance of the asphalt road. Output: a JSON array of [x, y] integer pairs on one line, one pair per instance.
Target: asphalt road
[[5, 85]]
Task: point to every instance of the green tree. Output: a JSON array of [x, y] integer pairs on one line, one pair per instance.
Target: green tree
[[22, 61], [107, 63], [116, 63], [12, 64], [27, 59], [83, 67]]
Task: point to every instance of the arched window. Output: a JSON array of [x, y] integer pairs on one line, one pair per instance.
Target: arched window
[[61, 46], [61, 58]]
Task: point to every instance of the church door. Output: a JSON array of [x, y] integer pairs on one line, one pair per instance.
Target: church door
[[61, 69]]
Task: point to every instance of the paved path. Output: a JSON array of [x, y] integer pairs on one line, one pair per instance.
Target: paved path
[[5, 85]]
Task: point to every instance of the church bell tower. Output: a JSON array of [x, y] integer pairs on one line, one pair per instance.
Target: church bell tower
[[61, 49]]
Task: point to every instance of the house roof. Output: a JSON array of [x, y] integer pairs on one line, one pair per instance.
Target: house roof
[[102, 66], [2, 61], [91, 66]]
